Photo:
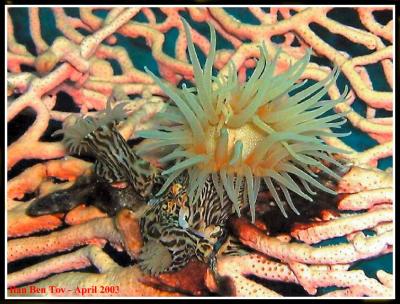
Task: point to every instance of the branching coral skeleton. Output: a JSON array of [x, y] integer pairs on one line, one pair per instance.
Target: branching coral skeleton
[[79, 65]]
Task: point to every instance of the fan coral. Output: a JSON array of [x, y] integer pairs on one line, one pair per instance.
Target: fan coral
[[241, 133], [101, 51]]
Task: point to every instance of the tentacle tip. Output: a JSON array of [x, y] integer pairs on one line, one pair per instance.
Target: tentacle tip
[[57, 132], [183, 20]]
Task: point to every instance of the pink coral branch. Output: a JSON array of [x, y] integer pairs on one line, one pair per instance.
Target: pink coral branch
[[125, 281], [236, 268], [359, 248], [359, 179], [316, 232], [96, 231], [366, 199]]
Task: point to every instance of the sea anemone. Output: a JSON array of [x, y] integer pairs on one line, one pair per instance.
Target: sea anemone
[[266, 129]]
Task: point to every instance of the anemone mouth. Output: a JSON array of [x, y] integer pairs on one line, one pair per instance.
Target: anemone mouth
[[267, 129], [73, 136]]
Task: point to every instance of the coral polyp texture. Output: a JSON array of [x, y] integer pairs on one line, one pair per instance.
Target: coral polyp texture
[[285, 110]]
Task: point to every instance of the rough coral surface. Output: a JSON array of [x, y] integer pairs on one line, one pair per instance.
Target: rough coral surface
[[88, 62]]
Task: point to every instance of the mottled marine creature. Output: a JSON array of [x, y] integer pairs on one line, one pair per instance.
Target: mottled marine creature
[[116, 164], [173, 230], [88, 189]]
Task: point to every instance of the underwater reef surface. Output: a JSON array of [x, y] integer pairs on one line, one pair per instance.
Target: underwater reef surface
[[64, 61]]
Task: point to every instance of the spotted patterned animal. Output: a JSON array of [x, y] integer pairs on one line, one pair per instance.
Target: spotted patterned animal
[[118, 179], [174, 230]]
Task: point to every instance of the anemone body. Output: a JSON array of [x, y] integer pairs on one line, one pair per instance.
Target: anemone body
[[243, 134]]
